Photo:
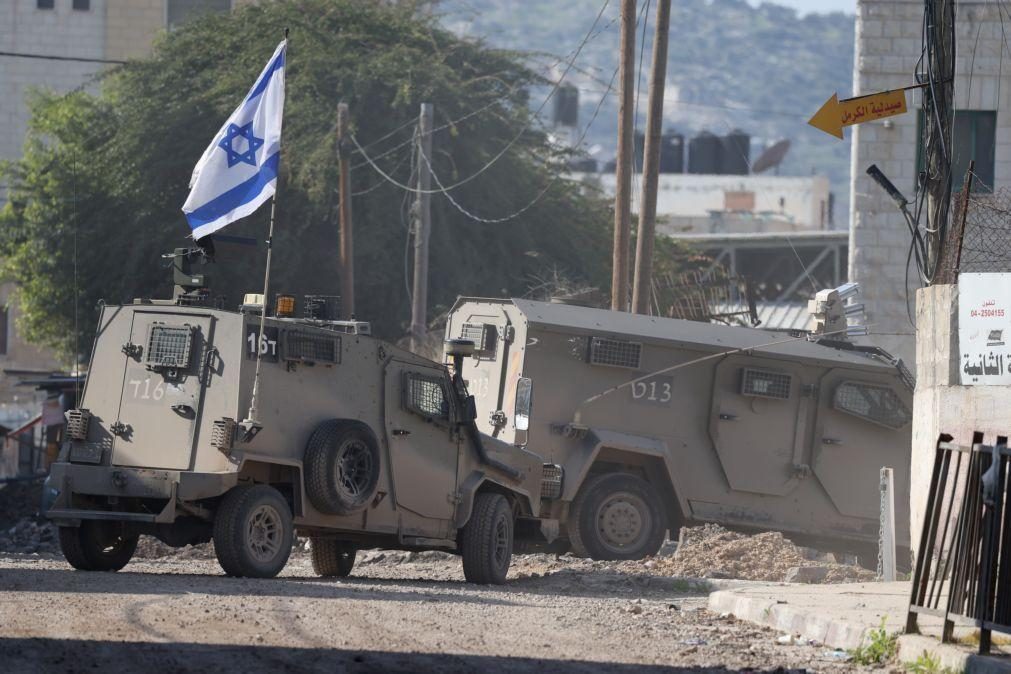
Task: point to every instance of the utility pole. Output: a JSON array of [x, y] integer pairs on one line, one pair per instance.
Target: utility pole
[[623, 169], [422, 229], [938, 104], [347, 263], [651, 164]]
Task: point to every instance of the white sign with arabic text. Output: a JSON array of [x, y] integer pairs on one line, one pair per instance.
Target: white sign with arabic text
[[984, 329]]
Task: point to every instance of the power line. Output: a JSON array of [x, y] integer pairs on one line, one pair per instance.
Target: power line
[[515, 139], [540, 194], [53, 57]]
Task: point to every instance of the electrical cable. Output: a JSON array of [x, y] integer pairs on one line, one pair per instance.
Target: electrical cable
[[497, 100], [514, 140], [540, 194]]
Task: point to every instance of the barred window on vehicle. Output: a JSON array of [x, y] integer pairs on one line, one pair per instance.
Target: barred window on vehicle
[[614, 352], [878, 404], [426, 396], [311, 347], [765, 383], [168, 346], [484, 336]]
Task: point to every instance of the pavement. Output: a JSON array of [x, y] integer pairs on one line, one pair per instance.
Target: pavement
[[843, 615]]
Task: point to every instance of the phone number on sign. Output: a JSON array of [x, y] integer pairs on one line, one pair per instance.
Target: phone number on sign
[[986, 313]]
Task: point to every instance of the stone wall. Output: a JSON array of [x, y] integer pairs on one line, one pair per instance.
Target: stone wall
[[887, 49], [941, 404]]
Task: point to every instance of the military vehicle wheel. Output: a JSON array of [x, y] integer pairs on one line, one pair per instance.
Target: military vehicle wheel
[[487, 546], [616, 516], [98, 545], [331, 558], [341, 467], [253, 531]]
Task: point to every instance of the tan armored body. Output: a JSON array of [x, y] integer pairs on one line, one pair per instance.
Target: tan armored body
[[659, 422], [359, 444]]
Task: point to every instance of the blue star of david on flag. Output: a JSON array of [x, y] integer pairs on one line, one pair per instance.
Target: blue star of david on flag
[[238, 170], [252, 144]]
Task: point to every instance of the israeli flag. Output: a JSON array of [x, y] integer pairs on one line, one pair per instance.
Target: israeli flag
[[238, 170]]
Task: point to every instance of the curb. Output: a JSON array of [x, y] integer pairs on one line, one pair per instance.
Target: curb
[[846, 635], [783, 617]]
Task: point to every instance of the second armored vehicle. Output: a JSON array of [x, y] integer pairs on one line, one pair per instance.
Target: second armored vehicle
[[659, 422]]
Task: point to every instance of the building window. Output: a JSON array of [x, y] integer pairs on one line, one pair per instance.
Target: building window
[[82, 5], [44, 4], [181, 11], [3, 331], [974, 137]]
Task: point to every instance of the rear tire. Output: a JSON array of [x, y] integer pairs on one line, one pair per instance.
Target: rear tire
[[253, 532], [616, 516], [342, 463], [331, 558], [488, 540], [98, 545]]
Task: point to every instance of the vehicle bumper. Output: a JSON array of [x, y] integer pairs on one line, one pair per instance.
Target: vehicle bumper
[[168, 485]]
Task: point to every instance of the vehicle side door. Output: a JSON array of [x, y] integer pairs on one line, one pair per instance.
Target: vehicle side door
[[420, 420]]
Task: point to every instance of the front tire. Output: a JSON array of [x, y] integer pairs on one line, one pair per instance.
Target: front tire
[[98, 545], [331, 558], [253, 532], [487, 545], [616, 516]]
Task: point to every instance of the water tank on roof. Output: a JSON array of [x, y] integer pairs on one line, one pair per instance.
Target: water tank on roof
[[736, 153], [704, 153], [567, 106], [672, 153]]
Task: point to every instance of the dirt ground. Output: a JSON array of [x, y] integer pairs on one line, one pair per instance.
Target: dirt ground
[[398, 612]]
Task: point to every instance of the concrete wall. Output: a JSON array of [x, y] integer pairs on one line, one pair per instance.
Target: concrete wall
[[941, 404], [887, 48]]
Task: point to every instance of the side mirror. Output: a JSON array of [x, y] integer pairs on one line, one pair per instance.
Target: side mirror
[[524, 403], [469, 411]]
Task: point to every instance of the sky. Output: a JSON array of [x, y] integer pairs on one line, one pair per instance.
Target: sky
[[805, 6]]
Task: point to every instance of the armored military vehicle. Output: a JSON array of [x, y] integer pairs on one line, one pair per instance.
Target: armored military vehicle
[[660, 422], [357, 443]]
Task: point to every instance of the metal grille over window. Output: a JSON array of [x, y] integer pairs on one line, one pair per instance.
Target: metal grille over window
[[615, 352], [765, 384], [879, 404], [484, 336], [426, 396], [311, 347], [169, 346]]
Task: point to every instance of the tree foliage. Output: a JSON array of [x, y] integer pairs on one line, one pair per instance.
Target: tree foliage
[[108, 172]]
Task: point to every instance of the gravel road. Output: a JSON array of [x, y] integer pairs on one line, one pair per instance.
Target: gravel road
[[398, 612]]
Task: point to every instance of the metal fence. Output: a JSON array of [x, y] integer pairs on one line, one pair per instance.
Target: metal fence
[[979, 239], [964, 556]]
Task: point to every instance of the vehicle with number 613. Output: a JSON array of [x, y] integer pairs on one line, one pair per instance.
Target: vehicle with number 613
[[657, 422]]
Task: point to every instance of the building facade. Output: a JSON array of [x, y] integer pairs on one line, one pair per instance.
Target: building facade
[[62, 46], [888, 48]]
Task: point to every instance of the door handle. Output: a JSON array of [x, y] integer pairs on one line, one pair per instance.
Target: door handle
[[183, 410], [727, 417], [831, 441], [400, 431]]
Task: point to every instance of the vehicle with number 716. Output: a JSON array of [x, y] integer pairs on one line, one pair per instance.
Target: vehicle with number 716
[[357, 443], [657, 422]]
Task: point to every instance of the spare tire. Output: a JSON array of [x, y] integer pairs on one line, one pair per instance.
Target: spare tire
[[342, 463]]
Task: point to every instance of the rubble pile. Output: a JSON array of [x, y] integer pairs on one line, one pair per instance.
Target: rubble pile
[[710, 551], [21, 528]]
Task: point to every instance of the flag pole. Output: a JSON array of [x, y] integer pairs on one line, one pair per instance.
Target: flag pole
[[251, 417], [251, 423]]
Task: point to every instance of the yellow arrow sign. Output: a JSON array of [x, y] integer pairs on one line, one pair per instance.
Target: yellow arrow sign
[[836, 114]]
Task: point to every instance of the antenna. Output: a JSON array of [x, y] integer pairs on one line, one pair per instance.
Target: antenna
[[772, 157]]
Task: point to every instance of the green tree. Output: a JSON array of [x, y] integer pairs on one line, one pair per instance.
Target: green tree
[[108, 173]]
